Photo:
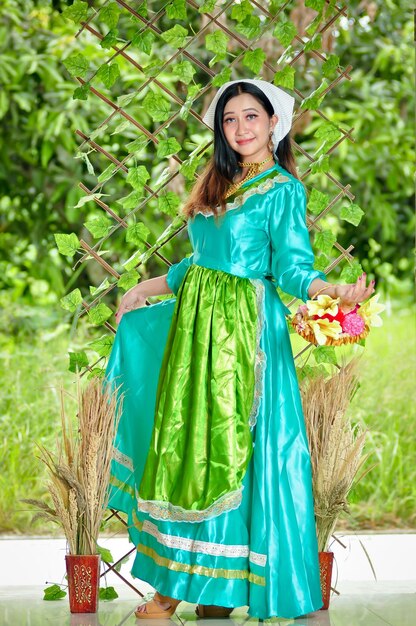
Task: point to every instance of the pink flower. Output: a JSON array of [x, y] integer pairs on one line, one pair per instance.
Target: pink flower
[[353, 324]]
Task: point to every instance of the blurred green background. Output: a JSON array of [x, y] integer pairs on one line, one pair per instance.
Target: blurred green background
[[40, 167]]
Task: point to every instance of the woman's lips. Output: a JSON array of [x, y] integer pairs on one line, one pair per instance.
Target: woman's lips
[[243, 141]]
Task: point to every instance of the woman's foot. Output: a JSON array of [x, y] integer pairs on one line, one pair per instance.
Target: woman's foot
[[212, 610], [158, 608]]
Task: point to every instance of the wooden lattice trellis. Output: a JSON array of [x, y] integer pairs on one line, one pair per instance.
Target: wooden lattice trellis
[[214, 17]]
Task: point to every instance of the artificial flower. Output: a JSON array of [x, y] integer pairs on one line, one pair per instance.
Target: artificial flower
[[353, 324], [369, 311], [322, 305], [324, 328]]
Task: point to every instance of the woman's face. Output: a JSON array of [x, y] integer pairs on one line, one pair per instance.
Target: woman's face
[[247, 127]]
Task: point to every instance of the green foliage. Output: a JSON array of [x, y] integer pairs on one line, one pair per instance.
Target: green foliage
[[53, 592]]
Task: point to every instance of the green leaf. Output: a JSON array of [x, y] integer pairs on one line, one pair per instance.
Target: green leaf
[[103, 345], [137, 233], [166, 147], [254, 59], [250, 27], [131, 201], [285, 32], [351, 213], [169, 203], [157, 106], [99, 314], [325, 354], [72, 300], [152, 69], [144, 41], [188, 168], [240, 11], [110, 14], [330, 66], [105, 554], [77, 361], [308, 371], [137, 177], [108, 74], [324, 241], [176, 10], [106, 174], [321, 164], [110, 39], [54, 592], [223, 77], [208, 6], [351, 271], [184, 71], [77, 65], [175, 36], [317, 5], [104, 284], [128, 280], [216, 59], [82, 92], [89, 198], [328, 132], [314, 100], [285, 77], [78, 12], [317, 201], [313, 26], [126, 99], [108, 593], [67, 244], [217, 42], [314, 44], [138, 144], [98, 226], [320, 263]]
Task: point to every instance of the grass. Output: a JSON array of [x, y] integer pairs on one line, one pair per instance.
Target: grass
[[34, 362]]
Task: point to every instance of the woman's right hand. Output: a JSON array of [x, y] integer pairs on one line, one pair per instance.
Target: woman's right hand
[[132, 299]]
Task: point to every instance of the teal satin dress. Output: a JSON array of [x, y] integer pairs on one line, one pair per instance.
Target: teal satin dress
[[211, 460]]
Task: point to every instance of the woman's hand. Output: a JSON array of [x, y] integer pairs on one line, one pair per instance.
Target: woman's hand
[[134, 298], [354, 293]]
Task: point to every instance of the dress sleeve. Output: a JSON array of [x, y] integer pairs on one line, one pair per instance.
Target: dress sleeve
[[292, 256], [176, 273]]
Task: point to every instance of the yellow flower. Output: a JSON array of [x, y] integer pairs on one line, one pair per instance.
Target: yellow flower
[[323, 328], [369, 311], [323, 304]]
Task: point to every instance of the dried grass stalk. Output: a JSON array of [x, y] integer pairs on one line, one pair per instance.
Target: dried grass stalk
[[79, 471], [336, 446]]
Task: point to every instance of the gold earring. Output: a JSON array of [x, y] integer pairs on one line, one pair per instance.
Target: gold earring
[[270, 144]]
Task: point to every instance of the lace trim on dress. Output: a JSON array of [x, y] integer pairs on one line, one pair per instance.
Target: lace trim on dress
[[260, 361], [167, 511], [123, 459]]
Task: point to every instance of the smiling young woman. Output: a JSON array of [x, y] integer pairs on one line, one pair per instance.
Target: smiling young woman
[[212, 464]]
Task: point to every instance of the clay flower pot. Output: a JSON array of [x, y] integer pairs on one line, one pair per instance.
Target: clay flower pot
[[325, 566], [83, 582]]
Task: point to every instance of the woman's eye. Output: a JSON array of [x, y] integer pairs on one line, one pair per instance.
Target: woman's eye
[[251, 115]]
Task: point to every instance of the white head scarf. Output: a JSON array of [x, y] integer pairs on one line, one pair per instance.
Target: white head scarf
[[281, 102]]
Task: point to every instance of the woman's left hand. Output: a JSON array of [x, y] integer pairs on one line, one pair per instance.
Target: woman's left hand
[[354, 293]]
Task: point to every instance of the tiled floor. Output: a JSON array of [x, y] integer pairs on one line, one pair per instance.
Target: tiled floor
[[369, 604]]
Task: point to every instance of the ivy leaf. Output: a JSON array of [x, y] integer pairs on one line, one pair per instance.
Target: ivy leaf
[[169, 203], [175, 36], [98, 226], [157, 106], [104, 284], [325, 354], [176, 10], [285, 33], [320, 263], [324, 241], [330, 66], [317, 5], [313, 26], [106, 174], [102, 345], [166, 147], [188, 168], [108, 593], [144, 41], [105, 554], [216, 59], [254, 59], [250, 27], [82, 92], [77, 12], [54, 592], [110, 39], [321, 164], [71, 301], [142, 9], [285, 77], [89, 198], [131, 201], [77, 360], [314, 99], [351, 271], [184, 71], [99, 314], [137, 233], [317, 201], [128, 280], [328, 132], [137, 177], [351, 213], [240, 11], [223, 77], [110, 14], [207, 7], [108, 74], [77, 65], [67, 244], [126, 99], [217, 42], [314, 44], [138, 144]]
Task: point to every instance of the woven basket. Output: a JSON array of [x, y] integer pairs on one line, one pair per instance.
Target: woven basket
[[343, 339]]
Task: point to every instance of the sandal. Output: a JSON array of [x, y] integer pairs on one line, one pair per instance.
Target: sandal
[[212, 610], [155, 611]]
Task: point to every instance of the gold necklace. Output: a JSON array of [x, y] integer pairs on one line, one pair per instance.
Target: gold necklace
[[253, 170]]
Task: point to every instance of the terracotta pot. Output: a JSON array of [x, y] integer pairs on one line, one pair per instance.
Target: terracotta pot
[[83, 582], [325, 566]]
